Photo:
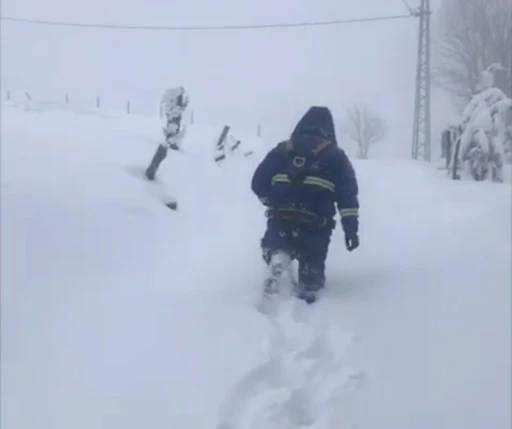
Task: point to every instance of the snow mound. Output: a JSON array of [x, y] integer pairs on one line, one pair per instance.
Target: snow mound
[[109, 288], [128, 306], [120, 313]]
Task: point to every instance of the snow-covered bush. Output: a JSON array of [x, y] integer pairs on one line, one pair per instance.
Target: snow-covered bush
[[504, 128], [483, 140]]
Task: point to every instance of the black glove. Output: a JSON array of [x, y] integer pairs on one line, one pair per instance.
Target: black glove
[[351, 241], [350, 226]]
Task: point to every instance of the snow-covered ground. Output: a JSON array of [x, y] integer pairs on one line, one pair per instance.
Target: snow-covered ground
[[118, 313]]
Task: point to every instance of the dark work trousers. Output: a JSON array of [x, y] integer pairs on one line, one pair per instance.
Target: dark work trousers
[[309, 246]]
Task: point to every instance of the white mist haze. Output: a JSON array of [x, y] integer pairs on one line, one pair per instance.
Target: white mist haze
[[118, 313], [243, 77]]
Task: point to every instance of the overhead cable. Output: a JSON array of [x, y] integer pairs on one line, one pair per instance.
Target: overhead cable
[[205, 27]]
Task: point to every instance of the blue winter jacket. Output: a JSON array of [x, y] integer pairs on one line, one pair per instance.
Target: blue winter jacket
[[328, 182]]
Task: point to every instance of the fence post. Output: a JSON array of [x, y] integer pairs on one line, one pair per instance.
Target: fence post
[[236, 145], [128, 107], [192, 117], [98, 102], [67, 98], [259, 130], [8, 95], [221, 151]]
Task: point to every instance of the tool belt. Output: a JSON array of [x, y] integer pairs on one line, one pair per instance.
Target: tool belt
[[300, 218]]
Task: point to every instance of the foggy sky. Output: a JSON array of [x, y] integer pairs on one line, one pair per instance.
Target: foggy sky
[[238, 77]]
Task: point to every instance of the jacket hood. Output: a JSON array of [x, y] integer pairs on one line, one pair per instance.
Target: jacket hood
[[316, 121]]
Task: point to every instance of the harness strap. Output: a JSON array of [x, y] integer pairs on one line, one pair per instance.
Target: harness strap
[[298, 216], [315, 151]]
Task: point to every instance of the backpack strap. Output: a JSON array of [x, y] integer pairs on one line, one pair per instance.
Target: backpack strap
[[316, 151], [321, 147], [300, 164]]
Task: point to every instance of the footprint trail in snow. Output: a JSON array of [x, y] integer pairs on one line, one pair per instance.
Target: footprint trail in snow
[[304, 379]]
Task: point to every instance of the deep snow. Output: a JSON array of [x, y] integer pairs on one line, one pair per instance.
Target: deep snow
[[117, 312]]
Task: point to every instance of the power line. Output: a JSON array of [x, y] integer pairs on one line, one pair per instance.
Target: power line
[[195, 28], [409, 8]]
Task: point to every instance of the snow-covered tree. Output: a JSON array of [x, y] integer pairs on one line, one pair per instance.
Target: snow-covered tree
[[365, 127], [507, 134], [490, 76], [484, 137], [472, 34]]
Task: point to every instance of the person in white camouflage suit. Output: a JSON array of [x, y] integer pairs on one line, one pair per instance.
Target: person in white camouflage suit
[[174, 103]]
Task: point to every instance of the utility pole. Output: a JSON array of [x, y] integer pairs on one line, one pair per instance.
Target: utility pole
[[421, 132]]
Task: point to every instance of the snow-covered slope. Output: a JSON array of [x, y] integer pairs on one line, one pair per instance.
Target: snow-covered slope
[[120, 313]]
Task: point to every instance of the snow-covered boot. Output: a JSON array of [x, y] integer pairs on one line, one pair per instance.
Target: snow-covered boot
[[158, 157], [278, 264], [309, 291], [306, 294], [311, 280]]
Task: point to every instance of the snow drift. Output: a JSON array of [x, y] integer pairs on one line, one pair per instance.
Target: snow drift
[[120, 313]]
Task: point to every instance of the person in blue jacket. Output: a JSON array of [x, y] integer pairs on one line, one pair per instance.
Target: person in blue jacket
[[302, 181]]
